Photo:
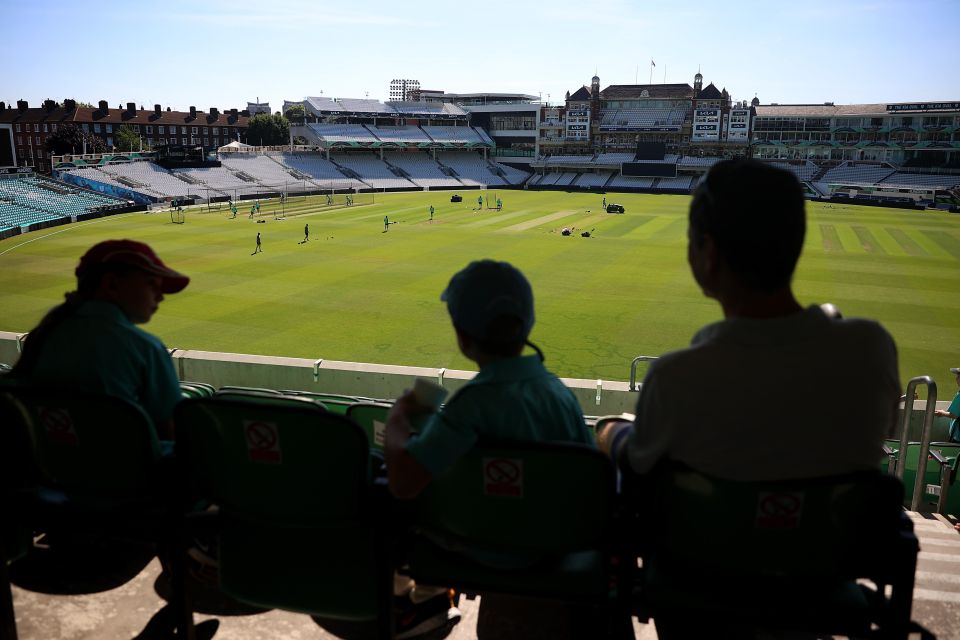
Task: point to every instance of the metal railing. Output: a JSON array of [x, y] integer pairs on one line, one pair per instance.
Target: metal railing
[[923, 454], [633, 369]]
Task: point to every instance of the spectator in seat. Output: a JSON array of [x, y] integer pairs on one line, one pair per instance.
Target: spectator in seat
[[733, 403], [512, 397], [771, 368], [91, 342]]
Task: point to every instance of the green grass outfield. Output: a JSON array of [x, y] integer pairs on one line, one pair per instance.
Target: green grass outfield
[[356, 293]]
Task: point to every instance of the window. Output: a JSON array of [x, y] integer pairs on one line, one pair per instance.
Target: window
[[149, 129], [184, 141], [161, 129], [110, 141], [136, 128], [206, 130], [183, 131], [85, 127], [216, 131], [53, 128], [45, 128], [206, 142], [18, 127], [109, 128], [193, 130], [29, 128], [150, 141], [38, 140], [96, 128], [20, 140]]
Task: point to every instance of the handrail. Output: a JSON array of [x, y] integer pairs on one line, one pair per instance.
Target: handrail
[[920, 482], [633, 369]]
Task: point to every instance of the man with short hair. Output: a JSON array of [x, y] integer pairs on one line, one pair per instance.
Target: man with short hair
[[739, 401], [733, 403]]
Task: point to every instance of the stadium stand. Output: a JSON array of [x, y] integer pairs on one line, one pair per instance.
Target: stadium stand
[[803, 171], [614, 158], [858, 173], [689, 162], [593, 179], [552, 161], [512, 175], [945, 181], [322, 172], [626, 182], [95, 174], [149, 176], [422, 169], [263, 169], [454, 135], [400, 134], [214, 177], [471, 169], [680, 182], [30, 200], [360, 105], [342, 133], [630, 118], [372, 170]]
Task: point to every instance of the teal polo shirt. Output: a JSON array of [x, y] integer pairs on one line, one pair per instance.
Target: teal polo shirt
[[510, 399], [97, 349]]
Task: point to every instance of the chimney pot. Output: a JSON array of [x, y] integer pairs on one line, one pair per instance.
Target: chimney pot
[[156, 109], [22, 105], [193, 112], [131, 106], [103, 106]]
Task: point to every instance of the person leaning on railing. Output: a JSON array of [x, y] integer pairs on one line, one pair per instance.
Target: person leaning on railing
[[90, 342]]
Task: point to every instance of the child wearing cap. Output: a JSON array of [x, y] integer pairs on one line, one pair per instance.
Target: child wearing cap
[[513, 397], [90, 341]]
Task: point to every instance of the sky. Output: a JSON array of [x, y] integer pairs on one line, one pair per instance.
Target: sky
[[225, 53]]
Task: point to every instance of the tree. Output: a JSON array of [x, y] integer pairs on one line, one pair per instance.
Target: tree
[[69, 138], [85, 105], [126, 139], [296, 113], [265, 130]]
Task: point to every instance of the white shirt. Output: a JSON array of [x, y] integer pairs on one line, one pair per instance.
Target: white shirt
[[760, 399]]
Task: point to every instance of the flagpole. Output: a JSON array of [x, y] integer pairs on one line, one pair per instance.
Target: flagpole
[[651, 71]]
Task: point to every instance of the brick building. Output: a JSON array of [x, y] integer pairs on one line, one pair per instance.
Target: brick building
[[24, 130]]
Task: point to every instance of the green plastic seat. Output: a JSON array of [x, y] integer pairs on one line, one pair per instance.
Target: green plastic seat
[[372, 418], [780, 554], [523, 519], [297, 522], [97, 466]]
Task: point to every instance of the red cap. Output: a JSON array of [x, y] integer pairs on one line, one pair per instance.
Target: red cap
[[135, 254]]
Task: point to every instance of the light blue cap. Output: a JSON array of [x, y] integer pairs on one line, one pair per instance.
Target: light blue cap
[[484, 291]]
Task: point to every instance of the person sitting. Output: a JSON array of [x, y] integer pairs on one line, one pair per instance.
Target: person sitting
[[513, 397], [91, 342], [733, 403]]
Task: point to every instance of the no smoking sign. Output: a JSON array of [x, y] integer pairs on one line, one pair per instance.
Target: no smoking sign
[[503, 477], [779, 510], [263, 441]]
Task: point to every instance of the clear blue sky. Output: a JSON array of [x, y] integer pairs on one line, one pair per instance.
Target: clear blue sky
[[223, 53]]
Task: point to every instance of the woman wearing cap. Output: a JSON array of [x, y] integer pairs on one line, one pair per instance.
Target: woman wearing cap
[[90, 341]]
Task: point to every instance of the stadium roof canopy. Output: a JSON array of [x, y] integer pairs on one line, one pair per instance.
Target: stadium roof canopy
[[631, 91], [363, 107], [823, 110]]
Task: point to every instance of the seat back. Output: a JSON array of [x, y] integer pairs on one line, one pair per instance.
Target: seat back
[[835, 527], [86, 443], [534, 499], [372, 418], [274, 457], [296, 522]]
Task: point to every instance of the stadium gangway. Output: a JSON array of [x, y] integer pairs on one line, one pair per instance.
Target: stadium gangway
[[919, 484], [633, 369]]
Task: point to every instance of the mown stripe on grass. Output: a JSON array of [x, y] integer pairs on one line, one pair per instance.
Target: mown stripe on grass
[[622, 225], [831, 240], [905, 242], [651, 227], [867, 240], [932, 247], [849, 240], [536, 222], [486, 220], [948, 242]]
